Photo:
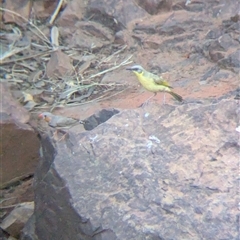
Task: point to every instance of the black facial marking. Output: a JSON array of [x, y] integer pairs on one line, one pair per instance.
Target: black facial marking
[[136, 69]]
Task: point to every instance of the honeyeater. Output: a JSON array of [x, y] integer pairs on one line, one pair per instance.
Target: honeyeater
[[152, 82]]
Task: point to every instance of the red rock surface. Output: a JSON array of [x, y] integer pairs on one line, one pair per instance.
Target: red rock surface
[[196, 47], [19, 143]]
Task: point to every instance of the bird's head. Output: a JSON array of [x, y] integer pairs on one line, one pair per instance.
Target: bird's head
[[137, 69], [46, 116]]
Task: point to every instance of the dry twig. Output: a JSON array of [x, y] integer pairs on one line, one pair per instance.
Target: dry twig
[[41, 36], [56, 11]]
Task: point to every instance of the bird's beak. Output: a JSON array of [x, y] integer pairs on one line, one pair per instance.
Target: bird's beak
[[40, 115]]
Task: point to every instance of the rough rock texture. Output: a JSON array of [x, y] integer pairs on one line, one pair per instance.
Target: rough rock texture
[[19, 142], [197, 46], [9, 107], [90, 35], [28, 232], [158, 172], [73, 13], [155, 6], [44, 8], [115, 14], [23, 8], [98, 118], [59, 65]]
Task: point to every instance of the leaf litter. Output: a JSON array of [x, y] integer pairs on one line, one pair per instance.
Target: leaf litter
[[23, 63]]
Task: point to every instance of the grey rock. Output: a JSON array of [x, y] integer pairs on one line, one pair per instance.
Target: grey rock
[[28, 232], [114, 14], [226, 42], [171, 28], [146, 173], [88, 35], [235, 26], [210, 72], [232, 61], [98, 118], [196, 7], [214, 33], [215, 56], [223, 43], [221, 75], [155, 6]]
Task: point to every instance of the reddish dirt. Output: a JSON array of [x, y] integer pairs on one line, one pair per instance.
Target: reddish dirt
[[184, 78], [135, 95]]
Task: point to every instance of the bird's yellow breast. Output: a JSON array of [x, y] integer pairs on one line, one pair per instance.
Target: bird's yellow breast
[[149, 83]]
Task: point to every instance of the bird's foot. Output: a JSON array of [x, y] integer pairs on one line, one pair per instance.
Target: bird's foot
[[55, 135], [144, 104], [147, 101], [57, 138], [164, 98]]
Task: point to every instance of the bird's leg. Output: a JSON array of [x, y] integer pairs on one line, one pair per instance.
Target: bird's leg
[[147, 101], [164, 98], [55, 135], [64, 135]]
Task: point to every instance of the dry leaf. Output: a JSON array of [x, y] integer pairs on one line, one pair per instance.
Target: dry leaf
[[54, 37], [27, 97]]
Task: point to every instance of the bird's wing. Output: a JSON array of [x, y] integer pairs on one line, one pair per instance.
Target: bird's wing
[[59, 121], [160, 80]]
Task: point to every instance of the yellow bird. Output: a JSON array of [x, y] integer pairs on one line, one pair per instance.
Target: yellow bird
[[152, 82]]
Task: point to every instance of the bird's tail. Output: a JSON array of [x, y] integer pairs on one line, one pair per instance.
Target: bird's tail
[[176, 96]]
